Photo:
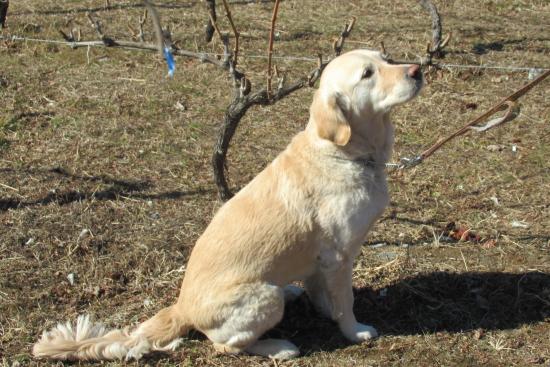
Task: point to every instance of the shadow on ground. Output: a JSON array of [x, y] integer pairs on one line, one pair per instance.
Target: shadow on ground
[[428, 303], [117, 188], [518, 44]]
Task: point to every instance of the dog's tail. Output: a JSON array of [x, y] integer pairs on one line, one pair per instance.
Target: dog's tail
[[89, 341]]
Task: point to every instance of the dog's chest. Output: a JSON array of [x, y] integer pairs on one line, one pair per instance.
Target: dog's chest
[[346, 215]]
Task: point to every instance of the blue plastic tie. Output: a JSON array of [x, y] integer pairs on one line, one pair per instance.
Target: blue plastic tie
[[169, 61]]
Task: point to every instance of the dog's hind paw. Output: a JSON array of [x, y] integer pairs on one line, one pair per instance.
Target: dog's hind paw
[[274, 348], [361, 333]]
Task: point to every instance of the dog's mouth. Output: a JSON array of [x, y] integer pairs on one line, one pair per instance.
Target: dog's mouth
[[416, 78], [418, 84], [414, 72]]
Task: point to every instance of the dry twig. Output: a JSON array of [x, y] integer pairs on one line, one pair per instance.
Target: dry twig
[[435, 49], [107, 41], [338, 44], [235, 32], [142, 20], [4, 4], [156, 23], [270, 45], [436, 27], [209, 29], [508, 103], [68, 37]]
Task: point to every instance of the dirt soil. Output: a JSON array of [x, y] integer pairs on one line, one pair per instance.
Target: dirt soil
[[106, 183]]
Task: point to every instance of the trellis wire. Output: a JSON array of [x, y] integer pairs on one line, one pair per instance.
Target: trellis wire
[[533, 71], [530, 69]]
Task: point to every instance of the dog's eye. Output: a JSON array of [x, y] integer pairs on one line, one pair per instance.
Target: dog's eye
[[367, 73]]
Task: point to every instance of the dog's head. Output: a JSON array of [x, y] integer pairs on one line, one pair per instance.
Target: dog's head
[[356, 87]]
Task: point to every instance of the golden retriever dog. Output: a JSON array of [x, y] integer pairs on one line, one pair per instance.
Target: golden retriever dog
[[303, 218]]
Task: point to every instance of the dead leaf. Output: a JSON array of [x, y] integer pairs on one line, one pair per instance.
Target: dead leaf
[[460, 233], [490, 243]]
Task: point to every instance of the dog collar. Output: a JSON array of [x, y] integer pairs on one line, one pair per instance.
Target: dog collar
[[369, 162]]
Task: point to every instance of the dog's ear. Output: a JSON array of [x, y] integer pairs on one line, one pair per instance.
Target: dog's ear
[[329, 115]]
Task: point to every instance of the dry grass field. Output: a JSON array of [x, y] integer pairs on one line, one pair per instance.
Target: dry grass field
[[105, 179]]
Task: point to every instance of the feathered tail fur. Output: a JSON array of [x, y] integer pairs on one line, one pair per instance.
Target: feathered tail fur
[[92, 341]]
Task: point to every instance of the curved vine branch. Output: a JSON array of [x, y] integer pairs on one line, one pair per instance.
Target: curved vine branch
[[436, 48], [436, 26], [243, 99]]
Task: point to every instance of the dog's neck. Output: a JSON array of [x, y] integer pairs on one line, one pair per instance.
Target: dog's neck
[[371, 141]]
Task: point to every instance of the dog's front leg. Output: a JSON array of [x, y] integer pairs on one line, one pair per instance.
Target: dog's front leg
[[331, 290]]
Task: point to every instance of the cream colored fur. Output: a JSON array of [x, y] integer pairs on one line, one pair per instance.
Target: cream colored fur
[[304, 217]]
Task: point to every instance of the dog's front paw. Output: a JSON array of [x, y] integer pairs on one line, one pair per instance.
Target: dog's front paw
[[360, 333]]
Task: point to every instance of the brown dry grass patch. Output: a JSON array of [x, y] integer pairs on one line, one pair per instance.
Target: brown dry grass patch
[[104, 177]]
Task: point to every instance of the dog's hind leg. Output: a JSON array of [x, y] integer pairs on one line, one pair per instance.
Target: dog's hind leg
[[246, 313], [316, 290]]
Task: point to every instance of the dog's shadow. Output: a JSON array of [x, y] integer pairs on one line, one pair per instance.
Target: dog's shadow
[[427, 303]]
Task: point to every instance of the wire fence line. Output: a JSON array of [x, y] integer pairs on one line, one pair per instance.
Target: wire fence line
[[532, 70]]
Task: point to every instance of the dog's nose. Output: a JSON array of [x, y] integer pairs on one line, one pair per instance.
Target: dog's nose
[[414, 72]]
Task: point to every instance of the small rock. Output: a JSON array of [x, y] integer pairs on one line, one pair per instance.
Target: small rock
[[95, 291], [83, 233], [500, 79], [534, 73], [494, 199], [180, 106], [519, 224], [70, 278]]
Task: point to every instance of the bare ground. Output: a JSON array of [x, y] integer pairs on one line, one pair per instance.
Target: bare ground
[[105, 176]]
